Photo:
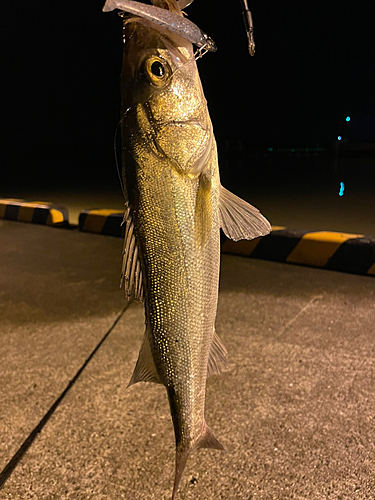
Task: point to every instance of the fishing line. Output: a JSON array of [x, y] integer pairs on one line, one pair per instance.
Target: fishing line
[[116, 161], [14, 461], [115, 151]]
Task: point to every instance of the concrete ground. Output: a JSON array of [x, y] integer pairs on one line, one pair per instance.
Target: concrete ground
[[295, 408]]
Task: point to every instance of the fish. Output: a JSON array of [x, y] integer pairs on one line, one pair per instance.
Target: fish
[[175, 206]]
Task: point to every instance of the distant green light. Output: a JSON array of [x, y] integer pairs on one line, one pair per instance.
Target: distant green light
[[347, 118], [270, 149], [292, 150], [342, 189]]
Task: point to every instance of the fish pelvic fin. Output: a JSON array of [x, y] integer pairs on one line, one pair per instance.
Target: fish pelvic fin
[[239, 220], [145, 369]]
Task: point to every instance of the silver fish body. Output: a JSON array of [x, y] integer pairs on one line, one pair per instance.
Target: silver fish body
[[176, 208]]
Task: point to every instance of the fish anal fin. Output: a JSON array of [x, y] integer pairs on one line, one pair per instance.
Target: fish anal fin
[[208, 440], [239, 220], [145, 369], [217, 356]]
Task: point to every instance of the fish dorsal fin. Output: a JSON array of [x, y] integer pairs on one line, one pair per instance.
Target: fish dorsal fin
[[131, 274], [217, 356], [145, 369], [239, 220]]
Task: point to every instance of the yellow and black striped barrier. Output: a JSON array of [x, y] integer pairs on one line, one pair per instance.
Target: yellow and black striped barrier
[[102, 221], [38, 212], [351, 253]]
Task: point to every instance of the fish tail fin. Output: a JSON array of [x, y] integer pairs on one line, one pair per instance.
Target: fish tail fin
[[181, 459], [208, 440]]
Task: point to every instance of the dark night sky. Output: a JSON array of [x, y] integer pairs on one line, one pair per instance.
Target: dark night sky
[[61, 64]]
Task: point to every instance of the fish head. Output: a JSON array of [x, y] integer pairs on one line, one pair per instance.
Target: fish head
[[161, 88]]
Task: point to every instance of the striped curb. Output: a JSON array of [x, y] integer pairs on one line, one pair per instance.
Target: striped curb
[[351, 253], [102, 221], [346, 252], [37, 212]]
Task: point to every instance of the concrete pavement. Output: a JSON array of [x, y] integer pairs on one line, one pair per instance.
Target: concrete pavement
[[295, 408]]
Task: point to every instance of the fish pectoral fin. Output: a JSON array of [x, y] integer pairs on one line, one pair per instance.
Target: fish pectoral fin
[[145, 369], [203, 210], [217, 356], [239, 220], [131, 273], [208, 440]]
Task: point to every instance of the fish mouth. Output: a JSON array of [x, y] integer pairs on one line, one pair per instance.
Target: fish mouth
[[187, 143]]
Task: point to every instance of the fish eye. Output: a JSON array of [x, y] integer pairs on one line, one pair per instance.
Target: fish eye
[[157, 70]]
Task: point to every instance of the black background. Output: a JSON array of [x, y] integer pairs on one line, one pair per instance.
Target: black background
[[314, 65]]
